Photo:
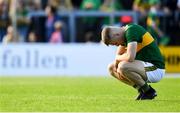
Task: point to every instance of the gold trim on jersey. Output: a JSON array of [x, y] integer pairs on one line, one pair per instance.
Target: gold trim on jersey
[[146, 40]]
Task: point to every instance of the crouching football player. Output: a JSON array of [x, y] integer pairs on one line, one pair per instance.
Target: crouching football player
[[138, 60]]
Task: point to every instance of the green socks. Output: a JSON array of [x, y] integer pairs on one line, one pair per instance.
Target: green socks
[[145, 88]]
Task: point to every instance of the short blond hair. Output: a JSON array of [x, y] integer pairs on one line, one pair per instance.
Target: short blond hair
[[105, 35]]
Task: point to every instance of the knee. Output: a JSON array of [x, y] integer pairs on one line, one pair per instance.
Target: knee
[[123, 67], [111, 68]]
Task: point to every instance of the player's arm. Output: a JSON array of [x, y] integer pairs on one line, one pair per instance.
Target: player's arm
[[120, 50], [129, 55]]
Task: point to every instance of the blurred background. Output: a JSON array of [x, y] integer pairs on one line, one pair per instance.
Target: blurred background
[[66, 21], [59, 22]]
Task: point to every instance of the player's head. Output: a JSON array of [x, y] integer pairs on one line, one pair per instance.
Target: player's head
[[112, 35]]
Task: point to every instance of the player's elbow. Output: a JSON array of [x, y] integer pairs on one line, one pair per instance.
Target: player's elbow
[[130, 58]]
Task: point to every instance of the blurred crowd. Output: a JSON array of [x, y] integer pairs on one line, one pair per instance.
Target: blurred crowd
[[160, 17]]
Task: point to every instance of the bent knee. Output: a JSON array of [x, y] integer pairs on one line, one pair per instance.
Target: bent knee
[[111, 67], [123, 67]]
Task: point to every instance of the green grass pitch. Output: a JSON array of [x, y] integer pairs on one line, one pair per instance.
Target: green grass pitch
[[84, 94]]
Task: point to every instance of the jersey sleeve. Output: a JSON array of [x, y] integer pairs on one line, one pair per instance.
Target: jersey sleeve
[[131, 36]]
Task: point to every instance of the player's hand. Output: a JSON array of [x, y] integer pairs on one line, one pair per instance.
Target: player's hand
[[116, 64], [117, 59]]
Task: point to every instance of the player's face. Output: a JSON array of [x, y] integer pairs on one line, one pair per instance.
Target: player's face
[[116, 36], [115, 41]]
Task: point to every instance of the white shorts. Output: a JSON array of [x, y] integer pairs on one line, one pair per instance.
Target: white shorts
[[155, 75]]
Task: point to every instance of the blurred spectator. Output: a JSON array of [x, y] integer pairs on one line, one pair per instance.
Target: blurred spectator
[[32, 37], [153, 23], [127, 4], [89, 24], [37, 25], [22, 19], [76, 4], [90, 5], [169, 6], [178, 18], [52, 17], [61, 5], [56, 36], [10, 36], [178, 4], [89, 37], [141, 6], [111, 6], [34, 5], [4, 17]]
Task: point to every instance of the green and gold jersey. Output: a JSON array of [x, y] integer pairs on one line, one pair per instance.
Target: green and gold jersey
[[147, 49], [142, 4]]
